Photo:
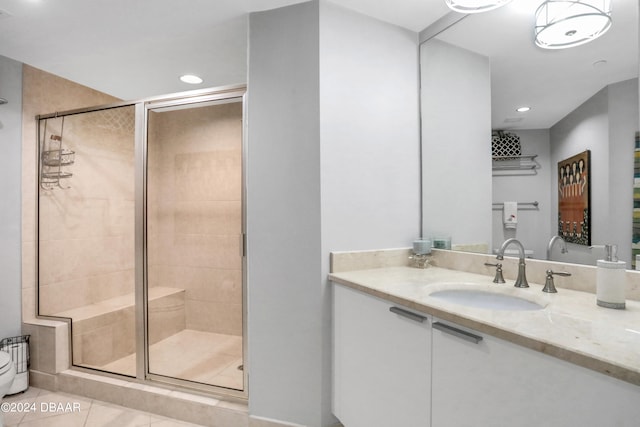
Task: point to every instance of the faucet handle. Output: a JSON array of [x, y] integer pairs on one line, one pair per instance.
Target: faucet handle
[[498, 278], [549, 286]]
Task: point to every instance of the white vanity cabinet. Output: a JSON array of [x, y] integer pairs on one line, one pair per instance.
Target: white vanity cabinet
[[495, 383], [396, 367], [381, 362]]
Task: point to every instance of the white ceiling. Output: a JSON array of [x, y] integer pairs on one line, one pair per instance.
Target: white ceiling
[[138, 48], [134, 49], [551, 82]]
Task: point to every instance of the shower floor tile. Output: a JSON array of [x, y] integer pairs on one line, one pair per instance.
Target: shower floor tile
[[191, 355]]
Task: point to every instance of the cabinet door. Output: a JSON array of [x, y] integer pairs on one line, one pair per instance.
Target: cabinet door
[[381, 363], [495, 383]]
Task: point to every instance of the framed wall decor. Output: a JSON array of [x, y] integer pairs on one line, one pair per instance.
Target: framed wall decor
[[574, 199]]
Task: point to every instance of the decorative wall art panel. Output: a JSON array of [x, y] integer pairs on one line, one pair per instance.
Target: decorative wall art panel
[[574, 201]]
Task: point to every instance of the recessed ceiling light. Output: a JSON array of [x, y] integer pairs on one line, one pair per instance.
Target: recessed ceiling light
[[191, 79], [523, 109]]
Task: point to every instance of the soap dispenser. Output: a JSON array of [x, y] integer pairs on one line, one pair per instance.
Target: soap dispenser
[[611, 279]]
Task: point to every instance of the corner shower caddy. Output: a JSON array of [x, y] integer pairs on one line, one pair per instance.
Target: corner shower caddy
[[53, 158]]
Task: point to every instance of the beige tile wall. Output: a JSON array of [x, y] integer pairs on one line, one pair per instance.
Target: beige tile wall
[[43, 93], [87, 229], [87, 236], [194, 196], [86, 232]]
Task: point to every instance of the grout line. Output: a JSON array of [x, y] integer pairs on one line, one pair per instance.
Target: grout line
[[88, 413]]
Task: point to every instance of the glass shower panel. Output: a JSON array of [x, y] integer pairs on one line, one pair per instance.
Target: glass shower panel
[[86, 233], [194, 229]]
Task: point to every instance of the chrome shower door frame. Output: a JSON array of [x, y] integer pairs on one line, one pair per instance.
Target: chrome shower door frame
[[143, 108]]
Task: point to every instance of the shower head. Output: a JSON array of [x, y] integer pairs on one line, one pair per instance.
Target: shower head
[[3, 101]]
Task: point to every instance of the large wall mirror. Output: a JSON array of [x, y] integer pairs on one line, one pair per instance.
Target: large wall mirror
[[474, 75]]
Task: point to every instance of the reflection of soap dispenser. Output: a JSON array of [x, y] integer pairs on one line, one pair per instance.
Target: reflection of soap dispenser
[[611, 279]]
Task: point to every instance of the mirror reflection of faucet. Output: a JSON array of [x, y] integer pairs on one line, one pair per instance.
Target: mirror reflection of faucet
[[552, 241]]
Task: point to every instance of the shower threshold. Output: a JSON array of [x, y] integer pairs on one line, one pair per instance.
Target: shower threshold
[[202, 357]]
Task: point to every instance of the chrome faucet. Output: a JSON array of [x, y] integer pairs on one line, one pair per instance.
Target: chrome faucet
[[563, 245], [521, 280]]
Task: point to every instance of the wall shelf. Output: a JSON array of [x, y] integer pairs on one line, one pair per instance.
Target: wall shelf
[[515, 165]]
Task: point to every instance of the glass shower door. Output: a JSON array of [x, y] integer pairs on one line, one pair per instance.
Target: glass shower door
[[86, 248], [194, 243]]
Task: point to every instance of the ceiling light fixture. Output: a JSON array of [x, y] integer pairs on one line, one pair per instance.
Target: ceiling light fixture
[[567, 23], [475, 6], [523, 109], [191, 79]]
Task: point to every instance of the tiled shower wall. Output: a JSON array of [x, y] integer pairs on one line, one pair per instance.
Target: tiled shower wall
[[87, 228], [203, 224], [42, 93], [195, 212]]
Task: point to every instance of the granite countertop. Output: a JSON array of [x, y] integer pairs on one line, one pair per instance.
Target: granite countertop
[[570, 326]]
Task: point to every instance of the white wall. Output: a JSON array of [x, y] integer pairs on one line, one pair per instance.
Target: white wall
[[587, 127], [285, 311], [10, 191], [605, 124], [332, 165], [456, 135], [370, 146], [370, 132], [525, 186]]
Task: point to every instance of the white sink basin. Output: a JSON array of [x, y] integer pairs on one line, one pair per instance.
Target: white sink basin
[[486, 299]]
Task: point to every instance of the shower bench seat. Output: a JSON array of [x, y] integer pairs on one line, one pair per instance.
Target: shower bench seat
[[105, 331]]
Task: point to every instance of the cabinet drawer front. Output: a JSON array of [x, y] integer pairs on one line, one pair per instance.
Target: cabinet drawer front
[[500, 384]]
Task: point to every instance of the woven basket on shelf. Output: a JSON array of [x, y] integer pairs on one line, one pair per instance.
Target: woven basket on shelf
[[505, 145]]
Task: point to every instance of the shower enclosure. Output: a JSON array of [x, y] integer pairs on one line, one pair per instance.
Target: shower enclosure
[[141, 236]]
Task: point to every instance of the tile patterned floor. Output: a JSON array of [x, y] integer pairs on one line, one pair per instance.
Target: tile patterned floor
[[42, 408]]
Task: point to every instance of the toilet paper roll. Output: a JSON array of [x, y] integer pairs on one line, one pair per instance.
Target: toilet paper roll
[[19, 355]]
